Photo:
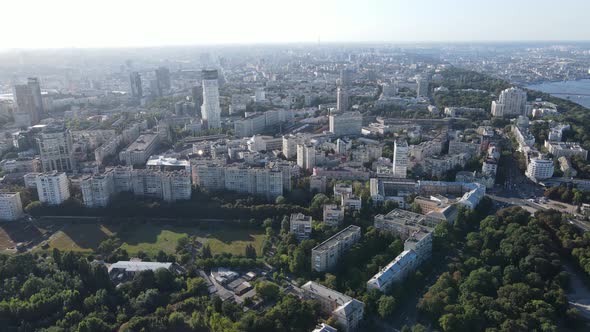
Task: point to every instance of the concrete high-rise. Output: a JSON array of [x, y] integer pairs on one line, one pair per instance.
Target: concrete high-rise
[[53, 188], [28, 102], [135, 85], [400, 159], [422, 87], [512, 102], [349, 123], [163, 78], [211, 110], [342, 99], [55, 148]]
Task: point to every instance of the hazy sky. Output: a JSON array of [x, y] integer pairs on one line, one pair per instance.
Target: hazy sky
[[115, 23]]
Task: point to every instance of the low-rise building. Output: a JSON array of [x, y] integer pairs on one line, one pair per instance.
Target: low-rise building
[[566, 149], [351, 202], [125, 270], [347, 311], [325, 256]]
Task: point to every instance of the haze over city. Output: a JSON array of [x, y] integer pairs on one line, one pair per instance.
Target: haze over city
[[112, 23], [295, 166]]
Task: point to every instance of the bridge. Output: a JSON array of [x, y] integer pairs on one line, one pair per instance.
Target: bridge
[[569, 94]]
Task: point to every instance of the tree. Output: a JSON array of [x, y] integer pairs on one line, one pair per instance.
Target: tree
[[197, 286], [93, 324], [280, 200], [297, 262], [250, 252], [386, 306], [267, 290], [206, 252]]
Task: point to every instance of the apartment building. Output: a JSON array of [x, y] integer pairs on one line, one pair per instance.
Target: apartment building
[[55, 149], [346, 123], [333, 215], [325, 256], [53, 188], [566, 149], [300, 225], [11, 207], [97, 189], [347, 311], [138, 152], [401, 222]]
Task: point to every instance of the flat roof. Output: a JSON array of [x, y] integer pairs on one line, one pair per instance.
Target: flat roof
[[340, 236]]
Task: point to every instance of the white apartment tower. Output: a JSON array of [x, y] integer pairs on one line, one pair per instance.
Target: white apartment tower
[[512, 102], [53, 188], [97, 189], [211, 110], [400, 159], [11, 207], [539, 168]]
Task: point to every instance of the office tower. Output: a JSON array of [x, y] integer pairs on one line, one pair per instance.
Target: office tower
[[29, 103], [540, 168], [135, 84], [33, 84], [342, 99], [422, 87], [163, 78], [400, 159], [512, 102], [55, 148], [11, 207], [211, 110], [53, 188], [349, 123]]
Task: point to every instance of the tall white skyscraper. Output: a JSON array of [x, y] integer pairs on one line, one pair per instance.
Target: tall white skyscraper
[[400, 159], [211, 110], [512, 102]]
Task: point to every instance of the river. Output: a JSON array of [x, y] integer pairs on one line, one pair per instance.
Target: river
[[576, 91]]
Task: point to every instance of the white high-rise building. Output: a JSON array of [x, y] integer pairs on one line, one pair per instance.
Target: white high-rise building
[[400, 159], [539, 168], [97, 189], [342, 99], [11, 207], [53, 188], [211, 110], [347, 123], [512, 102]]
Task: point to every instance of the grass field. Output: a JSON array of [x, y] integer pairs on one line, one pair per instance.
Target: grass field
[[151, 238], [80, 237]]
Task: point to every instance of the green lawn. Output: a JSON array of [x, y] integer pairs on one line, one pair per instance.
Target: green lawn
[[151, 238], [81, 237]]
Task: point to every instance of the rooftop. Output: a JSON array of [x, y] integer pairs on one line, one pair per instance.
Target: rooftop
[[340, 236]]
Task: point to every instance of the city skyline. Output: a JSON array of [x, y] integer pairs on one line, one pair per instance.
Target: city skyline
[[82, 24]]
